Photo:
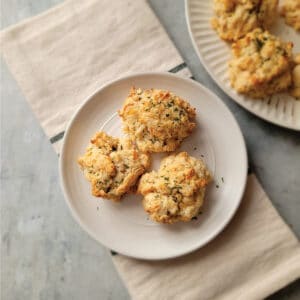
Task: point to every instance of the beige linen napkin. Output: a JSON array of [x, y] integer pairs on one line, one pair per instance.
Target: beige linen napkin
[[59, 58], [62, 56], [254, 256]]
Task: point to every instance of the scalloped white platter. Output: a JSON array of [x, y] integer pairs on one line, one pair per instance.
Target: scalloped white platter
[[214, 53]]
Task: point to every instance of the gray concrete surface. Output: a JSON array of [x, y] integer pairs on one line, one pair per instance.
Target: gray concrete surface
[[44, 253]]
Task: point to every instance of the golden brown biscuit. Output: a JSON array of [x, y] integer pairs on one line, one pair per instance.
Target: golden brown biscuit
[[157, 120], [291, 13], [261, 64], [112, 165], [176, 191], [234, 19], [295, 91]]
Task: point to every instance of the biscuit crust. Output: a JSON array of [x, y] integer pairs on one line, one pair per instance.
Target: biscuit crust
[[291, 13], [295, 91], [112, 165], [176, 191], [261, 64], [234, 19], [157, 120]]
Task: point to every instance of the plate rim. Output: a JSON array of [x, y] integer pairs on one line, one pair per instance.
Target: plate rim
[[77, 217], [234, 98]]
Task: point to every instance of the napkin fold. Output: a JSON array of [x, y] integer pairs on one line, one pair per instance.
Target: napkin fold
[[61, 57]]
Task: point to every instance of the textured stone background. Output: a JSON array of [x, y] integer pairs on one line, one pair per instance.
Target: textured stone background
[[45, 255]]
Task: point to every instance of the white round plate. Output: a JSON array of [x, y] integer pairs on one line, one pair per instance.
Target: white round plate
[[124, 227], [214, 53]]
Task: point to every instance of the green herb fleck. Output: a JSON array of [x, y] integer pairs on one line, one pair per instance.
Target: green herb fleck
[[217, 186], [222, 178], [176, 187], [259, 43]]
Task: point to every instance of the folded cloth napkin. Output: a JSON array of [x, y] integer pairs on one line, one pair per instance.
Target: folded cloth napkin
[[253, 257], [62, 56], [59, 58]]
